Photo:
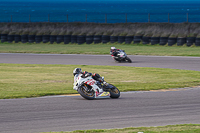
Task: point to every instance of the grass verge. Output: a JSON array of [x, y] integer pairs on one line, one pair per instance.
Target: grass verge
[[184, 128], [30, 80], [131, 49]]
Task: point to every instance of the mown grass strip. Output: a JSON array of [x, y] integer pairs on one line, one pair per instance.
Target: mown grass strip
[[26, 80], [184, 128], [131, 49]]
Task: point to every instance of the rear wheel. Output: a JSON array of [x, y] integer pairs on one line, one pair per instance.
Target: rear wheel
[[117, 60], [86, 93], [114, 92]]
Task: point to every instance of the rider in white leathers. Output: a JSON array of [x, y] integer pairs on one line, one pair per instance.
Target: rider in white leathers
[[77, 72]]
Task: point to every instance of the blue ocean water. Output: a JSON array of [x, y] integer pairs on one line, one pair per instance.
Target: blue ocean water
[[101, 11]]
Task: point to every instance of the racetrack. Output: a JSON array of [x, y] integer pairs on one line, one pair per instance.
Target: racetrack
[[67, 113], [174, 62]]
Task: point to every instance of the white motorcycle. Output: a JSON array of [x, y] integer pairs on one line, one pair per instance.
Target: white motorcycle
[[91, 89], [121, 56]]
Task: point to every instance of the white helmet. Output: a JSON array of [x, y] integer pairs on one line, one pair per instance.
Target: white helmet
[[113, 48], [77, 71]]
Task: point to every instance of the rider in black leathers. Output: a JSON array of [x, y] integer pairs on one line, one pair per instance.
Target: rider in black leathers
[[114, 51]]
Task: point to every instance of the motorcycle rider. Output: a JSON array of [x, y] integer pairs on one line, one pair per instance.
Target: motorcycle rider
[[95, 76], [91, 86], [114, 51]]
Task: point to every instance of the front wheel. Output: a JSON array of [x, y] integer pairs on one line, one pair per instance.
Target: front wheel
[[114, 92], [86, 93], [128, 59]]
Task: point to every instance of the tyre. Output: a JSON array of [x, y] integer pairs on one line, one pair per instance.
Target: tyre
[[31, 38], [113, 39], [121, 39], [146, 40], [105, 39], [53, 38], [45, 38], [89, 39], [114, 92], [81, 39], [163, 40], [155, 40], [38, 38], [128, 39], [10, 38], [67, 39], [190, 41], [172, 41], [97, 38], [128, 60], [137, 39], [116, 59], [4, 38], [24, 38], [59, 39], [197, 42], [17, 38], [73, 38], [86, 93], [181, 41]]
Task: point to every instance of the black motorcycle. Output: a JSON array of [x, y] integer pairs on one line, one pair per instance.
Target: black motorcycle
[[121, 56]]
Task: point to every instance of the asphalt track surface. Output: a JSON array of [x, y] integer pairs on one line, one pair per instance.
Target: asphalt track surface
[[133, 109], [174, 62]]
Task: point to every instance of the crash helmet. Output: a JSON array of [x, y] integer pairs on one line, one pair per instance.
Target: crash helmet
[[112, 48], [77, 71]]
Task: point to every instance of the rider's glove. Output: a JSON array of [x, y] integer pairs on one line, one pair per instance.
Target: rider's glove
[[88, 74], [105, 83]]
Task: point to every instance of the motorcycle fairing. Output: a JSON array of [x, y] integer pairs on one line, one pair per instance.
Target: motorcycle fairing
[[102, 94], [99, 93]]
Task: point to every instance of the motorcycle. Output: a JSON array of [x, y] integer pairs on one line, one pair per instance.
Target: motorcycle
[[91, 89], [121, 56]]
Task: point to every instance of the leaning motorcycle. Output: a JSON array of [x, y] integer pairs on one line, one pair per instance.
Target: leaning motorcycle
[[121, 56], [91, 89]]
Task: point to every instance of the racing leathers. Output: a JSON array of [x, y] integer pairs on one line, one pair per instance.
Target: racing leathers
[[85, 74], [114, 52]]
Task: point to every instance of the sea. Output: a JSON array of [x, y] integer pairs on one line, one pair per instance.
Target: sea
[[100, 11]]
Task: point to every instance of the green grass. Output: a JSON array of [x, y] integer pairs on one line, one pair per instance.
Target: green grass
[[22, 80], [25, 80], [131, 49], [184, 128]]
